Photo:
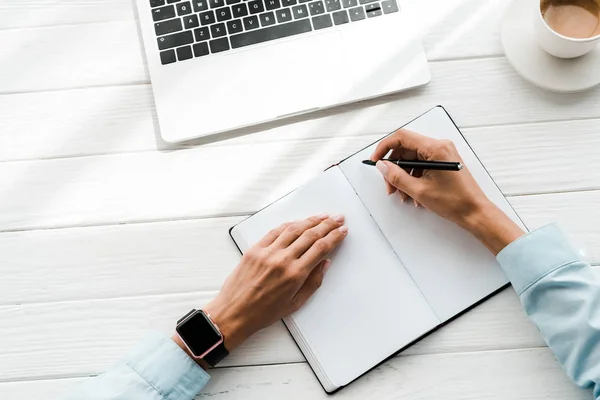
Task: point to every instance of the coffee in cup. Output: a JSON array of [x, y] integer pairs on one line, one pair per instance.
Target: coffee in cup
[[568, 28]]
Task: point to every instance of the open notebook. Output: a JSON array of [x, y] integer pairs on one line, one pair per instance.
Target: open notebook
[[401, 272]]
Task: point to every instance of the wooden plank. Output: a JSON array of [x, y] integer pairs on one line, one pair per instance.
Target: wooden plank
[[70, 56], [505, 375], [103, 262], [36, 13], [78, 122], [53, 265], [122, 119], [107, 328], [197, 182]]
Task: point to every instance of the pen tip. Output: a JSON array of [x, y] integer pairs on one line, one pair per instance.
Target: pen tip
[[369, 162]]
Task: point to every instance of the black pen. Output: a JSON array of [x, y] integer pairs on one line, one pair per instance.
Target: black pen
[[417, 164]]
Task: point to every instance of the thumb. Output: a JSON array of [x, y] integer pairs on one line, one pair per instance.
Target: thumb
[[398, 177], [310, 286]]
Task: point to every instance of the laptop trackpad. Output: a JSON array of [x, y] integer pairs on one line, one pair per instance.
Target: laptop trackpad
[[299, 74]]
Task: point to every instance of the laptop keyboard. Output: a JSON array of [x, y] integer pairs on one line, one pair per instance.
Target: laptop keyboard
[[188, 29]]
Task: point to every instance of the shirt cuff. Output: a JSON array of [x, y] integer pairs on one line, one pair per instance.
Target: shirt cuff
[[535, 255], [167, 368]]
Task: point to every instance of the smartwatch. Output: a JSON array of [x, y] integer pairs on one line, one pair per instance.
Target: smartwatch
[[202, 337]]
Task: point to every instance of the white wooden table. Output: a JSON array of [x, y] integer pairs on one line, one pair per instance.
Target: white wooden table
[[106, 232]]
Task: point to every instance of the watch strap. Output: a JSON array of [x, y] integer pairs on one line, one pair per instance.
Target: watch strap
[[216, 355]]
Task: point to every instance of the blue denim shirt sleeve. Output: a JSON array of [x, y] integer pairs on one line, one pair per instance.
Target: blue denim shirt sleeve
[[156, 369], [561, 295]]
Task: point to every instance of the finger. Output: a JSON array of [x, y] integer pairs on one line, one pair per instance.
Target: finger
[[399, 178], [403, 195], [321, 248], [402, 138], [295, 230], [310, 236], [273, 234], [310, 285], [400, 154]]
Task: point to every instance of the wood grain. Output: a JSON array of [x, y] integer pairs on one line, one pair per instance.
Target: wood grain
[[36, 13], [500, 375], [176, 185], [107, 328], [122, 119], [102, 261]]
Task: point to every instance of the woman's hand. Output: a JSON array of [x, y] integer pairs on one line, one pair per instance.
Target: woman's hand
[[276, 277], [455, 196]]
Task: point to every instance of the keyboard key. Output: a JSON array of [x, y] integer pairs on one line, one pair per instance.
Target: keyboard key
[[267, 19], [219, 45], [305, 1], [389, 6], [230, 2], [216, 3], [201, 49], [175, 40], [356, 14], [218, 30], [157, 3], [172, 1], [333, 5], [184, 53], [240, 10], [322, 21], [373, 10], [223, 14], [284, 15], [272, 4], [191, 21], [300, 11], [349, 3], [340, 17], [288, 3], [316, 8], [234, 26], [207, 18], [200, 5], [202, 34], [184, 8], [256, 7], [270, 33], [251, 22], [162, 13], [170, 26], [168, 57]]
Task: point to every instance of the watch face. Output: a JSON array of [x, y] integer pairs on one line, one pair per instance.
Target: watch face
[[198, 333]]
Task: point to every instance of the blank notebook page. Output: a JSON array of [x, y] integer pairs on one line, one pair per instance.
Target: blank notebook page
[[368, 306], [452, 269]]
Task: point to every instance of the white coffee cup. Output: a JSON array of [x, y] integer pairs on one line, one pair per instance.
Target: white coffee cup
[[558, 44]]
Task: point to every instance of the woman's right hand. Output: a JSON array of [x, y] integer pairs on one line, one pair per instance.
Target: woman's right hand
[[455, 196]]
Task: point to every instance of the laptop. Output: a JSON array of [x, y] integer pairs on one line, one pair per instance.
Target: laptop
[[218, 65]]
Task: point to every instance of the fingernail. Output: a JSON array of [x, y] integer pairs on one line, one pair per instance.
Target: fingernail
[[323, 216], [338, 218], [344, 229], [326, 265], [382, 167]]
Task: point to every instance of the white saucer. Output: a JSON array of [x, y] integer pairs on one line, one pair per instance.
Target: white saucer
[[537, 66]]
